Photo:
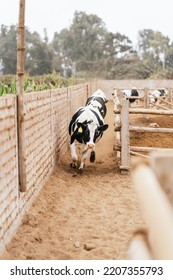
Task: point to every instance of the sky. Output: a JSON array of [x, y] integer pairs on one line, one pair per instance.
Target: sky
[[127, 17]]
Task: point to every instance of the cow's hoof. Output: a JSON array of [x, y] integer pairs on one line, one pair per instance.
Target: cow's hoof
[[80, 171], [92, 156], [73, 165]]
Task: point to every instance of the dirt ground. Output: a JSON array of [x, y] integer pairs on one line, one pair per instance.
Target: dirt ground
[[90, 216]]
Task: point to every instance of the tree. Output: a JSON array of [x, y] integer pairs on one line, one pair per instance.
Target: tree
[[8, 49], [39, 54], [82, 44], [62, 62], [153, 46], [117, 51]]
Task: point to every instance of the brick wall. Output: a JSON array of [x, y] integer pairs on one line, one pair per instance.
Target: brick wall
[[45, 137], [9, 165]]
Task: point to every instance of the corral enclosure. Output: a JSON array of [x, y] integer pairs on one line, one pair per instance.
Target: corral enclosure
[[46, 120]]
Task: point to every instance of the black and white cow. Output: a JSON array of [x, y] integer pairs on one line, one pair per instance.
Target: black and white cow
[[153, 95], [98, 100], [86, 127], [131, 93]]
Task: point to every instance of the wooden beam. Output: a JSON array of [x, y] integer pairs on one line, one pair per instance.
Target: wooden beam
[[150, 111], [117, 122], [162, 163], [125, 151], [162, 100], [149, 149], [170, 97], [150, 129], [138, 154], [158, 105]]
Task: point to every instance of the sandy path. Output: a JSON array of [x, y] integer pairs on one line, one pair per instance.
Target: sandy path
[[91, 216]]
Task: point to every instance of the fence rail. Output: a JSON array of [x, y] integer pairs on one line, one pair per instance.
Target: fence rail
[[123, 128]]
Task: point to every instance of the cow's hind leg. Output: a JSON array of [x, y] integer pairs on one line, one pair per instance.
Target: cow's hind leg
[[92, 156], [74, 163]]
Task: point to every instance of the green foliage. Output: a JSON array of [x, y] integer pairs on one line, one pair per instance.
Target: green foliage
[[3, 89], [38, 83]]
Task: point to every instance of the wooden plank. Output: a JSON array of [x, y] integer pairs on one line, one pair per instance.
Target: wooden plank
[[150, 111], [146, 99], [162, 100], [158, 105], [150, 129], [117, 122], [125, 151], [149, 149], [170, 97], [138, 154]]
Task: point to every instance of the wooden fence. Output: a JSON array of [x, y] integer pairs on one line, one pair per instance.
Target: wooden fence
[[123, 129]]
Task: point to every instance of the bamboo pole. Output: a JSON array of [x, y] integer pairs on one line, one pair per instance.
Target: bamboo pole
[[21, 49], [20, 93]]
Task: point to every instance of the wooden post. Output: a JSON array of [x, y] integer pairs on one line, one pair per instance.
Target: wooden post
[[146, 102], [157, 211], [88, 90], [20, 92], [125, 147], [162, 163], [148, 111], [117, 121], [170, 97], [139, 247], [150, 129]]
